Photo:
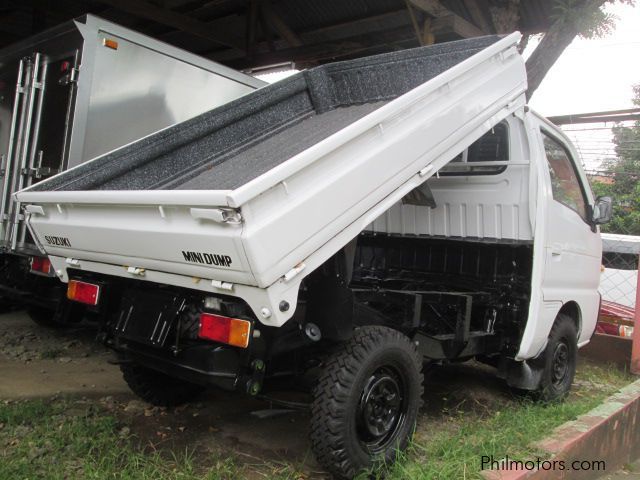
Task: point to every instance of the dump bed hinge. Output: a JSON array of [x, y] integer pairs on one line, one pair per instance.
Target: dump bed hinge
[[220, 215]]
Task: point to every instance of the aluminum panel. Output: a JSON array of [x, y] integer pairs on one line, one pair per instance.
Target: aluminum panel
[[136, 91]]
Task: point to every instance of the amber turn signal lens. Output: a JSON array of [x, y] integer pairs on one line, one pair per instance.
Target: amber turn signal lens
[[232, 331], [83, 292], [109, 43]]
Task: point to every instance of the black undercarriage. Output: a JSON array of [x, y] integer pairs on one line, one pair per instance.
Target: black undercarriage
[[457, 299]]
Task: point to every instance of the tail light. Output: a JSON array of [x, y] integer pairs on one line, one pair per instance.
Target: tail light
[[626, 331], [232, 331], [41, 265], [83, 292]]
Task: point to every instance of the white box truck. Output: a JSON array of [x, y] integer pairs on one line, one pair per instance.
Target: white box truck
[[349, 222], [73, 93]]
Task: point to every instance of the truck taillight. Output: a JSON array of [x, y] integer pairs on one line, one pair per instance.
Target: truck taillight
[[40, 265], [625, 331], [83, 292], [232, 331]]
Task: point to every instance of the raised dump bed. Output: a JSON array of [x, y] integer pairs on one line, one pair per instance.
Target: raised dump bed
[[244, 198], [228, 147]]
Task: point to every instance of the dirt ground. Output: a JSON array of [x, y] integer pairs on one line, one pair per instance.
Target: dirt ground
[[41, 362]]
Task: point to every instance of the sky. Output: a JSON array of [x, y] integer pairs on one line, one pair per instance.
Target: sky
[[592, 75]]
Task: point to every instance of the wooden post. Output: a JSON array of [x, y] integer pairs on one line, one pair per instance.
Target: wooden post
[[635, 350]]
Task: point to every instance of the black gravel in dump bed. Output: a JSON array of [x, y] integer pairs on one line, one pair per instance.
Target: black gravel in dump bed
[[262, 157], [225, 148]]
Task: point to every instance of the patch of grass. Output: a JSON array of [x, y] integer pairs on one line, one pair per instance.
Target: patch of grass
[[456, 451], [39, 440], [64, 439]]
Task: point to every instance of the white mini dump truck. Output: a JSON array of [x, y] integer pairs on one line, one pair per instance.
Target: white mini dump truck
[[349, 222]]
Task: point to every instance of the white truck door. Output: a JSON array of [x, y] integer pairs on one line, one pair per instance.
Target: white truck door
[[568, 250], [573, 248]]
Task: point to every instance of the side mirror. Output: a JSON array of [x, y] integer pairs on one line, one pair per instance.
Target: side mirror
[[602, 210]]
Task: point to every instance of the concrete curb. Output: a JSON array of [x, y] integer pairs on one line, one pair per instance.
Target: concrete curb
[[608, 433]]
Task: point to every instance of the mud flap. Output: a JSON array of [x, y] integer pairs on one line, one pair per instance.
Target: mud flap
[[330, 300], [525, 375]]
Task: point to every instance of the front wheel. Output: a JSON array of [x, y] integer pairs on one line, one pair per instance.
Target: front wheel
[[559, 360], [366, 402]]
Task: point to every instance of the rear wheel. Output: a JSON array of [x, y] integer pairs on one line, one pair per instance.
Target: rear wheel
[[559, 360], [65, 314], [157, 388], [42, 316], [366, 401], [7, 305]]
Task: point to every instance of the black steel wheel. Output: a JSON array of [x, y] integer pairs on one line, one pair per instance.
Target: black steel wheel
[[559, 360], [560, 363], [366, 401], [381, 410]]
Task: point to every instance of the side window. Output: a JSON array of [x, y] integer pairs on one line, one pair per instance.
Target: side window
[[493, 146], [565, 184]]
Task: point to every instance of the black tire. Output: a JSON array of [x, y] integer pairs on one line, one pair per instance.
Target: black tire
[[157, 388], [67, 313], [559, 360], [46, 317], [8, 306], [366, 402]]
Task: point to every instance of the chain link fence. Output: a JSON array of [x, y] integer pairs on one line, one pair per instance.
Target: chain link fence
[[609, 157], [619, 279]]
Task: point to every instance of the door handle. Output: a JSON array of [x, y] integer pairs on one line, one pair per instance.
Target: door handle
[[556, 249]]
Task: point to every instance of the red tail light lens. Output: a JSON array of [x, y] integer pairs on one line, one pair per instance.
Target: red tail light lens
[[41, 265], [232, 331], [83, 292]]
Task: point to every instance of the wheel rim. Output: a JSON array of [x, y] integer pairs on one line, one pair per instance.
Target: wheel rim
[[560, 366], [381, 410]]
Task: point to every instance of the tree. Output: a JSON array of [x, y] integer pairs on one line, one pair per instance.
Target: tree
[[624, 172], [571, 18]]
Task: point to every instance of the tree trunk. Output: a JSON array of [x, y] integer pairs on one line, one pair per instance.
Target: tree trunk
[[555, 41]]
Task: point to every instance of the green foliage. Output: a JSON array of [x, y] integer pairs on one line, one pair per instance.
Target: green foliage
[[588, 15], [625, 173]]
